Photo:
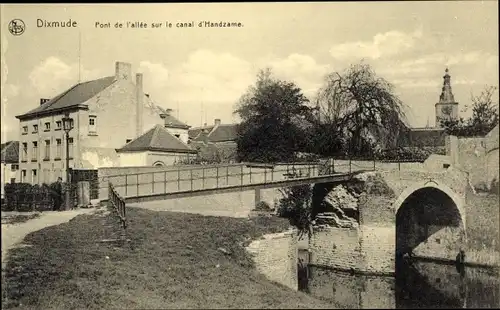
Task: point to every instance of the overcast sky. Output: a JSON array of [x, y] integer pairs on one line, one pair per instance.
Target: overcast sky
[[408, 43]]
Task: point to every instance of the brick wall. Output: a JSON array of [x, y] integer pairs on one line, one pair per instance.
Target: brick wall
[[476, 155], [483, 220], [276, 256], [234, 204], [335, 247], [378, 245]]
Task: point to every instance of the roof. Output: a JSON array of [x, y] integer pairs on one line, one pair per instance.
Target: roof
[[171, 121], [194, 132], [223, 133], [157, 139], [446, 92], [421, 137], [73, 97], [10, 152], [215, 133]]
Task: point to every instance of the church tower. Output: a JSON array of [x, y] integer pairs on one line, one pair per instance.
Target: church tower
[[446, 108]]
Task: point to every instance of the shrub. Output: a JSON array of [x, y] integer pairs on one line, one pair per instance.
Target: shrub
[[25, 197], [296, 206], [263, 206]]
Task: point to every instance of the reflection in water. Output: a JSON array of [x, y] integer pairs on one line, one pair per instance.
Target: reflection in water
[[417, 284]]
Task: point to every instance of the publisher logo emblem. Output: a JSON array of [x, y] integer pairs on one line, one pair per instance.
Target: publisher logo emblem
[[17, 27]]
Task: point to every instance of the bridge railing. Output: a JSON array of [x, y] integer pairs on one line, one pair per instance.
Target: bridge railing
[[219, 177], [117, 202]]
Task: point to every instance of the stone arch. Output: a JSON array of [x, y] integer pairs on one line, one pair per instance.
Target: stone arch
[[459, 201], [159, 164], [430, 221]]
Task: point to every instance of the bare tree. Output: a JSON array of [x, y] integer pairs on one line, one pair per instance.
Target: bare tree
[[358, 106]]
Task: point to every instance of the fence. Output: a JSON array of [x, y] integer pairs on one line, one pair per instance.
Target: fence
[[118, 204]]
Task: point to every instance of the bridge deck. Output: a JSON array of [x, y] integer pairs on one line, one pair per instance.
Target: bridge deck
[[203, 181], [337, 177]]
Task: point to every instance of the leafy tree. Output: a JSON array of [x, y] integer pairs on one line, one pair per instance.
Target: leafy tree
[[484, 116], [296, 206], [270, 112], [355, 109]]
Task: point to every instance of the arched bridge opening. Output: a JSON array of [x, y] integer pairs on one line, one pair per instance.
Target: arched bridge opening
[[429, 224]]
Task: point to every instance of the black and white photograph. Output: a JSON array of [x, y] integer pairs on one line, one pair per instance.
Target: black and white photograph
[[257, 155]]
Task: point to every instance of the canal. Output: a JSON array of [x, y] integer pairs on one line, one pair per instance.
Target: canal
[[417, 285]]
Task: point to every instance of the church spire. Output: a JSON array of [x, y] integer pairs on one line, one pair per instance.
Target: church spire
[[446, 93]]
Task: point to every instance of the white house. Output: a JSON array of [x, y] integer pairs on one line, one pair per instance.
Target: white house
[[156, 147]]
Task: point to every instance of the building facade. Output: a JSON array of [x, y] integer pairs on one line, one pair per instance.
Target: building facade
[[157, 147], [215, 142], [107, 113]]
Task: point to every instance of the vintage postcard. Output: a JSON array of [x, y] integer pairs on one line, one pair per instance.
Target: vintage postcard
[[250, 155]]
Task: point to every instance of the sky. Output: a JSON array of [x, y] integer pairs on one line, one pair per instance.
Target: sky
[[201, 72]]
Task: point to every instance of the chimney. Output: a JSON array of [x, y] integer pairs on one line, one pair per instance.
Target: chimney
[[43, 100], [123, 71], [139, 104], [217, 122]]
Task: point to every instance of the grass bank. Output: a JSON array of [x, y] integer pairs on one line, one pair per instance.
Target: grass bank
[[172, 261]]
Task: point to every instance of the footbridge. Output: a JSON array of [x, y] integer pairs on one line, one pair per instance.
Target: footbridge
[[422, 213]]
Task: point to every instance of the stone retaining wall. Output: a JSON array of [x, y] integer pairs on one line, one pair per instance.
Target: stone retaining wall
[[275, 256]]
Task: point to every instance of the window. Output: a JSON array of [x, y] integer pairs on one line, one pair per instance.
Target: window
[[14, 167], [23, 176], [25, 130], [47, 126], [34, 177], [47, 150], [92, 124], [70, 142], [128, 140], [34, 154], [178, 136], [58, 125], [12, 180], [58, 148], [35, 128], [24, 154]]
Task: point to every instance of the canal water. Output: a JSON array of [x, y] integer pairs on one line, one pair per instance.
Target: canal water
[[417, 285]]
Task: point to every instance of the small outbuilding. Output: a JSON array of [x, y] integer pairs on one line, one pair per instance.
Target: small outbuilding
[[156, 147]]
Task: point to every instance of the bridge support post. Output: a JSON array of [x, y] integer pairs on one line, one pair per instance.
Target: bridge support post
[[257, 197]]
